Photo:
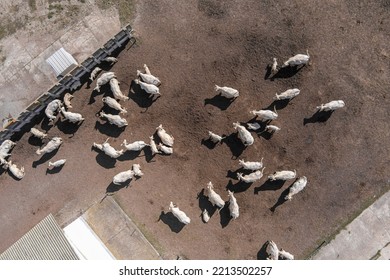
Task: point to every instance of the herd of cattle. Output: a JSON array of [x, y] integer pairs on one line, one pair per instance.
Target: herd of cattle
[[150, 85]]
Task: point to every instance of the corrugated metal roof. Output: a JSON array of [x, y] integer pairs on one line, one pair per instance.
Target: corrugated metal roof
[[61, 61], [45, 241]]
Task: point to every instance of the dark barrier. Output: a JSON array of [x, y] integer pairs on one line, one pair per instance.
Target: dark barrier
[[69, 83]]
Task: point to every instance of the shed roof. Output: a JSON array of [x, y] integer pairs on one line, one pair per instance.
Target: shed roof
[[45, 241], [62, 62]]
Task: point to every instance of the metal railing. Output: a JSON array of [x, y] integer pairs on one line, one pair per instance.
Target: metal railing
[[69, 83]]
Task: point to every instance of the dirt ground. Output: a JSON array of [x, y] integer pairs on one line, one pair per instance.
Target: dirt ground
[[191, 47]]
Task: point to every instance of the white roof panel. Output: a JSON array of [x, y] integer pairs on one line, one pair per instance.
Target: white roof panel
[[61, 61]]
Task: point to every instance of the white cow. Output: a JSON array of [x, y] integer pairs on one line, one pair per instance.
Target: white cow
[[153, 146], [57, 163], [108, 149], [37, 133], [122, 177], [274, 67], [149, 79], [298, 186], [52, 108], [116, 90], [147, 71], [165, 149], [272, 251], [205, 216], [283, 175], [137, 170], [251, 165], [252, 177], [110, 59], [244, 135], [214, 198], [112, 103], [180, 215], [114, 119], [233, 206], [296, 60], [52, 145], [227, 92], [272, 128], [94, 73], [5, 148], [67, 100], [253, 126], [215, 138], [331, 106], [17, 172], [285, 255], [288, 94], [135, 146], [72, 117], [148, 88], [104, 79], [164, 136], [265, 115]]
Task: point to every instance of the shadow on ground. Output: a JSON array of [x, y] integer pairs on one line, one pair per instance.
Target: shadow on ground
[[219, 101], [318, 117], [170, 220]]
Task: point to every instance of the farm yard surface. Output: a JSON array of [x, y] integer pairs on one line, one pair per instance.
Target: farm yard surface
[[191, 47]]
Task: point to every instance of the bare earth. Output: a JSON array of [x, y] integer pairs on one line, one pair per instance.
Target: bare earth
[[191, 47]]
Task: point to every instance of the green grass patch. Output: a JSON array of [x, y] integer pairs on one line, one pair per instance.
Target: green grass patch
[[126, 8], [33, 5]]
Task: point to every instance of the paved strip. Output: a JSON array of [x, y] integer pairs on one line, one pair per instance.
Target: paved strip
[[118, 232], [25, 74], [366, 237]]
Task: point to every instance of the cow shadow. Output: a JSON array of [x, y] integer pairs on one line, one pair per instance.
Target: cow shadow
[[281, 200], [262, 253], [318, 117], [35, 141], [44, 158], [224, 215], [67, 127], [286, 72], [235, 145], [109, 129], [54, 170], [114, 188], [104, 160], [169, 219], [233, 174], [208, 143], [104, 89], [267, 135], [219, 101], [140, 97], [238, 187], [148, 154], [46, 123], [278, 104], [269, 186], [268, 71], [129, 155], [204, 203]]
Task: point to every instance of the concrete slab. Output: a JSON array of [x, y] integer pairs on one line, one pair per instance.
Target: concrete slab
[[116, 230], [104, 26], [25, 71], [16, 57], [366, 237], [85, 242]]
